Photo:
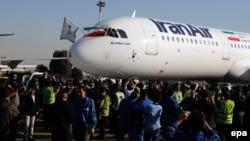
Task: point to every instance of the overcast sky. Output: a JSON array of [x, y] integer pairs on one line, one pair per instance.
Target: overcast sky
[[37, 24]]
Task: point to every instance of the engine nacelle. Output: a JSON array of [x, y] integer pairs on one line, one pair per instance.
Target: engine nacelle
[[240, 70]]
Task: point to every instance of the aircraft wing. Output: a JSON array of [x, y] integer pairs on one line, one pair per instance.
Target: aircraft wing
[[6, 34], [13, 62]]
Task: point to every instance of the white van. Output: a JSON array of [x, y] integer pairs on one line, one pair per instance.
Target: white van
[[35, 76]]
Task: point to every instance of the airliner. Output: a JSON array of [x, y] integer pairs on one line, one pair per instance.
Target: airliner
[[147, 48]]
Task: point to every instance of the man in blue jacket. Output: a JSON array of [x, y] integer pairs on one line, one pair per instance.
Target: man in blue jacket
[[86, 119], [129, 114]]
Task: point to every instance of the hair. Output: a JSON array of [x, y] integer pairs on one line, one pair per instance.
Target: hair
[[204, 94], [156, 97], [4, 103], [226, 94], [134, 95], [167, 92], [61, 95], [137, 89], [117, 86], [48, 83], [196, 121], [130, 86], [192, 86], [143, 93], [140, 85], [81, 86], [4, 91]]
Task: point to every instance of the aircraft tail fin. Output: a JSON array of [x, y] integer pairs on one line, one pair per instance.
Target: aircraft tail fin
[[133, 15]]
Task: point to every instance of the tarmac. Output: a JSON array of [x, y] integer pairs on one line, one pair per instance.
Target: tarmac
[[40, 134]]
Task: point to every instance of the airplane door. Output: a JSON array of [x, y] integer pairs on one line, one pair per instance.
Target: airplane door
[[151, 41], [226, 50], [226, 47]]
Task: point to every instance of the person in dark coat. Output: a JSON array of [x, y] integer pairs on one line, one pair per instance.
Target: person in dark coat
[[13, 114], [61, 117], [206, 105], [30, 111]]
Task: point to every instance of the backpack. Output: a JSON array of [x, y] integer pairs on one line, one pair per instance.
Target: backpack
[[4, 121]]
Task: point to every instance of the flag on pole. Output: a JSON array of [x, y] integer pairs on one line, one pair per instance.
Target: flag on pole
[[68, 30]]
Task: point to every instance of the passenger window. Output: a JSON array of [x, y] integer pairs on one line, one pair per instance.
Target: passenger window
[[216, 43], [173, 39], [168, 38]]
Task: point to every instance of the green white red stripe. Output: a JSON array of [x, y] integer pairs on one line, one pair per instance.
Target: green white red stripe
[[231, 36], [94, 31], [90, 28]]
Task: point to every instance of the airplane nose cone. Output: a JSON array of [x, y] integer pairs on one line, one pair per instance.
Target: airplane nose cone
[[80, 54]]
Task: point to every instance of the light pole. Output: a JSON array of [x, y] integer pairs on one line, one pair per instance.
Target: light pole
[[100, 4]]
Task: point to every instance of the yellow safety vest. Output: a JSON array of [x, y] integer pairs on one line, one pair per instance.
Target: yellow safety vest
[[225, 112], [48, 96], [120, 96]]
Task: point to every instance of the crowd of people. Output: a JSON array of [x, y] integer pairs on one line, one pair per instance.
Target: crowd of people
[[145, 110]]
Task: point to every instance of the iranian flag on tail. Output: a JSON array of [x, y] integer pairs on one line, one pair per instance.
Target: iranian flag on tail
[[94, 31], [231, 36]]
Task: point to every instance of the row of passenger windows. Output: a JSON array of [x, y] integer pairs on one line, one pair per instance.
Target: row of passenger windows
[[191, 41], [240, 46], [203, 42]]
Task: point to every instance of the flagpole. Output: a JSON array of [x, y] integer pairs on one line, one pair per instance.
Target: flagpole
[[81, 30]]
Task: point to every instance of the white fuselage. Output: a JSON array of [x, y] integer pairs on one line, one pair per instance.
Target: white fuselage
[[156, 49]]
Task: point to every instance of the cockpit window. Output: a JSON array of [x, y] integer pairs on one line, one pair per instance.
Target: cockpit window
[[112, 32], [122, 33], [116, 33]]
